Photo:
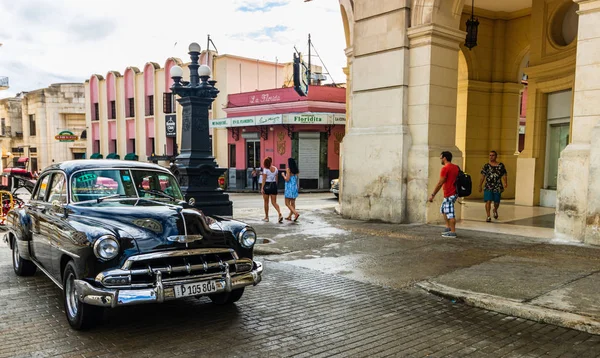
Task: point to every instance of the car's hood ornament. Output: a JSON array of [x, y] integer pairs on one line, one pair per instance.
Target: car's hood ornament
[[185, 239], [192, 201]]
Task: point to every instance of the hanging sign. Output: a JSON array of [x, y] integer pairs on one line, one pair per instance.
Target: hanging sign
[[66, 136], [220, 123], [269, 119], [171, 125], [242, 121], [308, 118], [339, 119]]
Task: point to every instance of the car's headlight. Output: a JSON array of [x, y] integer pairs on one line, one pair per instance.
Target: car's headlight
[[247, 237], [331, 183], [106, 247]]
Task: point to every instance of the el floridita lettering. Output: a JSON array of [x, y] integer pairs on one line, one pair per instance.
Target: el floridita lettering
[[310, 119]]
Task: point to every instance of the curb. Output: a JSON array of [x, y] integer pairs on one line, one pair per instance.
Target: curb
[[279, 191], [514, 308]]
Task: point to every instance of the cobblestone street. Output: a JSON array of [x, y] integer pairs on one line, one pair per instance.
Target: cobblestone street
[[293, 312]]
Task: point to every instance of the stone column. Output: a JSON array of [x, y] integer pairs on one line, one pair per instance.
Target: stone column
[[433, 73], [377, 139], [348, 72], [578, 195]]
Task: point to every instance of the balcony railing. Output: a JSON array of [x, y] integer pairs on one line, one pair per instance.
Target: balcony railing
[[3, 82]]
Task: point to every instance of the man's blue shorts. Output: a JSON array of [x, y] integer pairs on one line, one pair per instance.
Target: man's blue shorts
[[489, 195]]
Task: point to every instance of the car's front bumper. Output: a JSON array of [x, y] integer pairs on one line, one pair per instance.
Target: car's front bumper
[[107, 297], [335, 190]]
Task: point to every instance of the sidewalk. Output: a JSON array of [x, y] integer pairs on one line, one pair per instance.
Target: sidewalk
[[301, 191], [532, 278]]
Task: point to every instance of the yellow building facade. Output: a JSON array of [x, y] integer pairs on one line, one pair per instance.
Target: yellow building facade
[[429, 93]]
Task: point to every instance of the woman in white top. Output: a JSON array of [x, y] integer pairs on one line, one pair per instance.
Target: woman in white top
[[269, 187]]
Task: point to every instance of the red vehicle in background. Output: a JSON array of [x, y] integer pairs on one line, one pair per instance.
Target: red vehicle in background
[[11, 180]]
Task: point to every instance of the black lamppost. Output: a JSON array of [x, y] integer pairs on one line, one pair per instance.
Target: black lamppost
[[196, 168]]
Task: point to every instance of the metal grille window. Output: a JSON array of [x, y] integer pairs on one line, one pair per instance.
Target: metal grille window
[[168, 103], [32, 130], [3, 126], [130, 107], [96, 112], [150, 105], [113, 110]]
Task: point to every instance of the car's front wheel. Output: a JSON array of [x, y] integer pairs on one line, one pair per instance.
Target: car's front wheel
[[80, 315], [227, 298], [21, 266]]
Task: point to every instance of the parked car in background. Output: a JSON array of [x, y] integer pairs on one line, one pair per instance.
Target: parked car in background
[[113, 233], [335, 187]]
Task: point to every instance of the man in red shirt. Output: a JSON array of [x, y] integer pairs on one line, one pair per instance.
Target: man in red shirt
[[448, 176]]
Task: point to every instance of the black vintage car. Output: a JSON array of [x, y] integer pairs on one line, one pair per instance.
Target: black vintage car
[[114, 233]]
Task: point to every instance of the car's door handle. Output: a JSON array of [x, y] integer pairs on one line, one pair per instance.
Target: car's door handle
[[35, 207]]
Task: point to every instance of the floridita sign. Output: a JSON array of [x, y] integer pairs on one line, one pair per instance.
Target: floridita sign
[[66, 136], [273, 119]]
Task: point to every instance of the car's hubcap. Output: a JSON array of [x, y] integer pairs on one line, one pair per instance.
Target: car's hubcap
[[71, 296], [16, 255]]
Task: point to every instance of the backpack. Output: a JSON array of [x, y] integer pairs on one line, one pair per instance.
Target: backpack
[[463, 184]]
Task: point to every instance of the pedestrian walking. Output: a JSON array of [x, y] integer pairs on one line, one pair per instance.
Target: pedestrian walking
[[292, 184], [259, 173], [496, 180], [269, 188], [447, 181], [254, 179]]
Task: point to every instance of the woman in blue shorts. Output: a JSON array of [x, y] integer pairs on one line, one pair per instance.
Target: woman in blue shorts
[[292, 184]]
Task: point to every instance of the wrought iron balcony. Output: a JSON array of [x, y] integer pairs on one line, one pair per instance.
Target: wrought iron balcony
[[3, 82]]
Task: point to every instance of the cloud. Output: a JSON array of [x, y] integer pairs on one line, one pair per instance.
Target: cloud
[[72, 39], [265, 34], [260, 6], [91, 29]]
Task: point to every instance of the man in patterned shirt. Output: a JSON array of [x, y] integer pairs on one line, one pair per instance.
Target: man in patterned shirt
[[496, 180]]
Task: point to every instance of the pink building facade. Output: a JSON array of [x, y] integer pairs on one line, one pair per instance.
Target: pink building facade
[[280, 124]]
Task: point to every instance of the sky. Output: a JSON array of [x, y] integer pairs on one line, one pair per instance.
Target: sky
[[49, 41]]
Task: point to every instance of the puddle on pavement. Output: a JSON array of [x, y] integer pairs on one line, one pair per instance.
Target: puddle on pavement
[[263, 241]]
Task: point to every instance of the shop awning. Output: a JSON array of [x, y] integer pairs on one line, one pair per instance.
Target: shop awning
[[113, 156], [96, 156], [131, 156], [23, 160]]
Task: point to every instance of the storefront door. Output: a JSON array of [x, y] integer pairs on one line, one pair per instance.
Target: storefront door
[[308, 159], [252, 159]]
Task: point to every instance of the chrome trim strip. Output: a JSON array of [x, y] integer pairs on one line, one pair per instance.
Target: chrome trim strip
[[67, 252], [178, 253], [48, 274], [184, 227]]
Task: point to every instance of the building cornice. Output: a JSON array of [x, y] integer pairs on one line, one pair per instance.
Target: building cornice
[[287, 106], [438, 35], [497, 15]]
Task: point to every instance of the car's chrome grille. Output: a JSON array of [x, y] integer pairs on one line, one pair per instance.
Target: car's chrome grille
[[181, 267], [178, 266]]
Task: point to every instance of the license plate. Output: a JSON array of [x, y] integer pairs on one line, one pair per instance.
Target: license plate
[[195, 289]]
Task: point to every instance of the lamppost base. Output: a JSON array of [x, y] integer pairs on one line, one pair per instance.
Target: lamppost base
[[200, 183]]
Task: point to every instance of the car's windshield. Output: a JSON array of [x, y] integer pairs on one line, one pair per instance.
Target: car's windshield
[[123, 183]]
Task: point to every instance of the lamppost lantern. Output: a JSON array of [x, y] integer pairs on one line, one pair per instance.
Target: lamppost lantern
[[196, 169], [194, 47], [204, 72], [176, 74]]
